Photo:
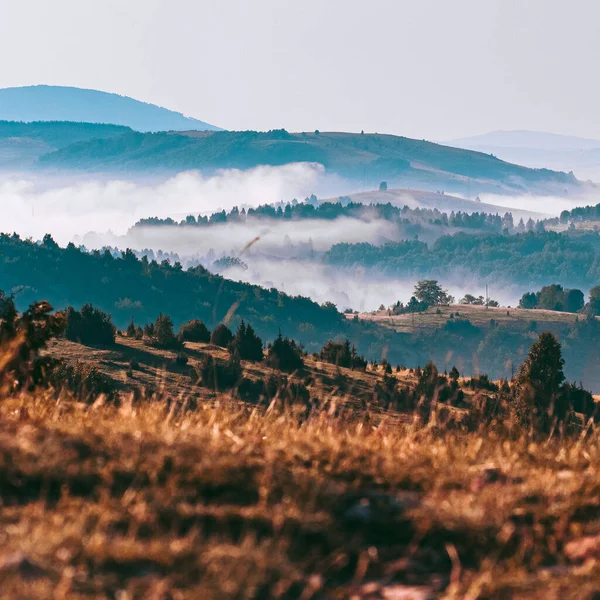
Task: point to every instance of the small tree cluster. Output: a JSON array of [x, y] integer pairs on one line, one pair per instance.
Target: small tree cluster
[[342, 354], [478, 301], [542, 398], [89, 326], [428, 291], [194, 331], [221, 336], [285, 354], [218, 375], [22, 337], [554, 297], [247, 344], [163, 335]]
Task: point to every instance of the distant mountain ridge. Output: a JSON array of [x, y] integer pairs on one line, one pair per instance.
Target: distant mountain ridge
[[525, 139], [538, 149], [365, 160], [61, 103]]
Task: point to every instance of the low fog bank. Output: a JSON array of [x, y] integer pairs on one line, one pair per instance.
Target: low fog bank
[[275, 237], [357, 289], [551, 206], [68, 207], [284, 254]]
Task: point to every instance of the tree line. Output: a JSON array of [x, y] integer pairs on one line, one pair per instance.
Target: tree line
[[538, 398], [527, 258], [311, 208]]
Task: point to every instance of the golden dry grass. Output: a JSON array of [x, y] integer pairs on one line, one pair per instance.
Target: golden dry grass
[[229, 501], [478, 315], [159, 373]]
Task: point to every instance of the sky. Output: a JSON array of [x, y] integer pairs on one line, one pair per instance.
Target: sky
[[433, 69]]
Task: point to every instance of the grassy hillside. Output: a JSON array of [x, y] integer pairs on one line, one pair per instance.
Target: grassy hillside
[[22, 144], [515, 319], [368, 158], [156, 499], [59, 134], [130, 288]]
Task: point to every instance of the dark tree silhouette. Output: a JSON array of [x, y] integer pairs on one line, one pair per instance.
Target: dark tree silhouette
[[285, 355], [247, 344], [89, 326], [539, 382], [194, 331], [221, 336]]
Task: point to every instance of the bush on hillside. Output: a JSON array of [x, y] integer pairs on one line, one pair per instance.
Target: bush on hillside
[[221, 336], [247, 344], [89, 326], [22, 337], [194, 331], [342, 354], [285, 355], [218, 375], [83, 379], [163, 336]]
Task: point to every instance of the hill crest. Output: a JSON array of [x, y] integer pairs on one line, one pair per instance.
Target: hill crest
[[64, 103]]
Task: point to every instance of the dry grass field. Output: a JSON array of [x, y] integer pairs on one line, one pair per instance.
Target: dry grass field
[[480, 316], [159, 374], [230, 501], [209, 497]]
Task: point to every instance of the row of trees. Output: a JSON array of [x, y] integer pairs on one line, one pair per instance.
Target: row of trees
[[555, 297], [312, 209], [521, 259], [539, 395], [127, 286]]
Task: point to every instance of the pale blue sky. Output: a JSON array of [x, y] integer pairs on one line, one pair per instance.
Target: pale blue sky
[[432, 69]]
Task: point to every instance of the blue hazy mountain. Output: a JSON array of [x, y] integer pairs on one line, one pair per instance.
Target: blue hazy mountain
[[57, 103], [539, 149]]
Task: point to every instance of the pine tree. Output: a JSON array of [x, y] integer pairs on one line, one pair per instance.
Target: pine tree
[[538, 383], [247, 344], [131, 329], [163, 332]]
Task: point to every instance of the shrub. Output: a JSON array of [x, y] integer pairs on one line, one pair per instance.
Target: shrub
[[131, 330], [538, 384], [221, 336], [280, 387], [285, 355], [194, 331], [181, 360], [23, 337], [83, 379], [580, 400], [247, 344], [342, 355], [89, 326], [218, 375], [164, 337], [482, 382]]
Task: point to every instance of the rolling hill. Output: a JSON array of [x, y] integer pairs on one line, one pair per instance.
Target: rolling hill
[[443, 202], [22, 144], [364, 158], [58, 103], [539, 149]]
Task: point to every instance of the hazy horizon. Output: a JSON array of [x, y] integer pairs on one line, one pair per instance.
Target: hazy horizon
[[427, 70]]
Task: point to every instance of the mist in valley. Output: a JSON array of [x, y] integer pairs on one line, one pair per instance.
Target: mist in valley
[[287, 255]]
